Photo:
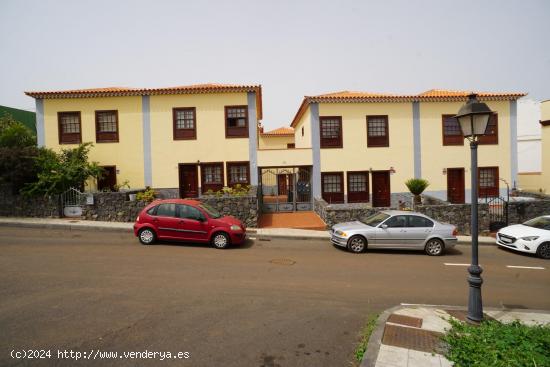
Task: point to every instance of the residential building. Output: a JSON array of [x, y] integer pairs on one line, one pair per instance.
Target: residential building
[[545, 125], [344, 147], [183, 140], [365, 145]]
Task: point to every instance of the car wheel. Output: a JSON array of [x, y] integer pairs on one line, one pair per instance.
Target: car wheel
[[544, 250], [220, 240], [147, 236], [357, 244], [434, 247]]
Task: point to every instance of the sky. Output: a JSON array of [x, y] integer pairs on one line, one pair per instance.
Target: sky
[[292, 48]]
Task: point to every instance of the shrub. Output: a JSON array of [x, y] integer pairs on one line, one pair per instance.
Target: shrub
[[237, 190], [497, 344], [148, 195]]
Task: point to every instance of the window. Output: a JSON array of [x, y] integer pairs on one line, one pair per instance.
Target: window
[[211, 177], [331, 132], [487, 181], [290, 146], [236, 121], [332, 184], [399, 221], [69, 127], [358, 187], [106, 126], [377, 131], [238, 173], [491, 132], [452, 133], [302, 131], [185, 123], [416, 221], [166, 210], [188, 212]]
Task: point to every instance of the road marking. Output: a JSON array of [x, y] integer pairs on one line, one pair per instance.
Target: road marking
[[525, 267], [453, 264]]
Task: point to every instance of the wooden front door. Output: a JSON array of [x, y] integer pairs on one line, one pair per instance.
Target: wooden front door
[[188, 178], [381, 189], [107, 182], [455, 185]]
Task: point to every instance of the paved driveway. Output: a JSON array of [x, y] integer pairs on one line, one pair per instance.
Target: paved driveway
[[269, 303]]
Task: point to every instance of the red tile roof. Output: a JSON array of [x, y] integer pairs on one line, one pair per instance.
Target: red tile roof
[[432, 95], [126, 91], [282, 131]]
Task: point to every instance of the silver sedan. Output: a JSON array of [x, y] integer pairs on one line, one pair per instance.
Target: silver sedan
[[392, 229]]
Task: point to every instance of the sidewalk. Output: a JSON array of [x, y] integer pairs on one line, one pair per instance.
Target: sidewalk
[[78, 224], [409, 336]]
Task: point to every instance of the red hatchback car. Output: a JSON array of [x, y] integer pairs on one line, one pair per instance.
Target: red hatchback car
[[187, 220]]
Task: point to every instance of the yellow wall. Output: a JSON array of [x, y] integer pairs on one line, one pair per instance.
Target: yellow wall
[[127, 154], [211, 144], [275, 142], [531, 181], [284, 157], [305, 122], [435, 156], [356, 156], [545, 135]]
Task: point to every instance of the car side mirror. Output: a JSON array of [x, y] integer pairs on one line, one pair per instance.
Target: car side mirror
[[384, 226]]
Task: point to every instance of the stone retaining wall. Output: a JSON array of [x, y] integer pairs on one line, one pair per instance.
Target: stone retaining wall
[[519, 212], [116, 206], [458, 215], [338, 213], [18, 206]]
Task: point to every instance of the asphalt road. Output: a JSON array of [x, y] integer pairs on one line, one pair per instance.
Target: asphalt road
[[268, 303]]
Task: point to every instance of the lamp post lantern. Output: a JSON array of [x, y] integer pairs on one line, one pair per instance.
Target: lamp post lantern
[[473, 119]]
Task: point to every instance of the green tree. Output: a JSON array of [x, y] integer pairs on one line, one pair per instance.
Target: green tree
[[17, 153], [417, 186], [57, 172]]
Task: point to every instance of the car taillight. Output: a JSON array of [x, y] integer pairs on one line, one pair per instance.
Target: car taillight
[[455, 232]]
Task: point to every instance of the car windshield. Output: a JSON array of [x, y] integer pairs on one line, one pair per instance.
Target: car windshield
[[540, 223], [375, 219], [212, 213]]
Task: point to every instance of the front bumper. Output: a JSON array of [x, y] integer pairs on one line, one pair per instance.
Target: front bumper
[[520, 245], [338, 241], [237, 238]]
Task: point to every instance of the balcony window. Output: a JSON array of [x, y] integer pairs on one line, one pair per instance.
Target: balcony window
[[236, 121], [377, 131], [185, 123], [69, 127], [331, 132], [106, 126]]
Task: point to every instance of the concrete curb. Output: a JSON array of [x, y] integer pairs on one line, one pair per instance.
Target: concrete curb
[[375, 340], [127, 228]]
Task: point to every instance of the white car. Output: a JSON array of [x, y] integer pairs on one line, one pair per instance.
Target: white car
[[532, 236]]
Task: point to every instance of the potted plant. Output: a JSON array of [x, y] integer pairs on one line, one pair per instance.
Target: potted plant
[[417, 186]]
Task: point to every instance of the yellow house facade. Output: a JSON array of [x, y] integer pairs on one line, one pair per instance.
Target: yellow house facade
[[344, 147], [367, 145], [183, 140], [545, 124]]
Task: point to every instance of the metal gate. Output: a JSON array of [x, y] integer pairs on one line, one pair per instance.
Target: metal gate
[[285, 189], [72, 202], [498, 212]]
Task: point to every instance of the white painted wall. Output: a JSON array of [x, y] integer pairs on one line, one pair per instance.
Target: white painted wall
[[529, 136]]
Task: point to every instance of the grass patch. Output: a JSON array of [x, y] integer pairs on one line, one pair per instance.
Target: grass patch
[[365, 333], [497, 344]]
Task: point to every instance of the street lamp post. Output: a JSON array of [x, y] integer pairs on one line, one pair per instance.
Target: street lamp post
[[473, 118]]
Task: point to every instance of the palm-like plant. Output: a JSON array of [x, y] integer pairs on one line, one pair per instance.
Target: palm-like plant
[[417, 186]]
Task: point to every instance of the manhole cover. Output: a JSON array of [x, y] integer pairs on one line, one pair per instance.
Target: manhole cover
[[283, 261], [410, 338], [405, 320]]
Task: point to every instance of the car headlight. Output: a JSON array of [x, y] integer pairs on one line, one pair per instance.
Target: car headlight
[[235, 227], [530, 238], [341, 233]]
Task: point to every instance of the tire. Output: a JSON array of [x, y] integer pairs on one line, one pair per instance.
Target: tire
[[357, 244], [543, 251], [220, 240], [147, 236], [434, 247]]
